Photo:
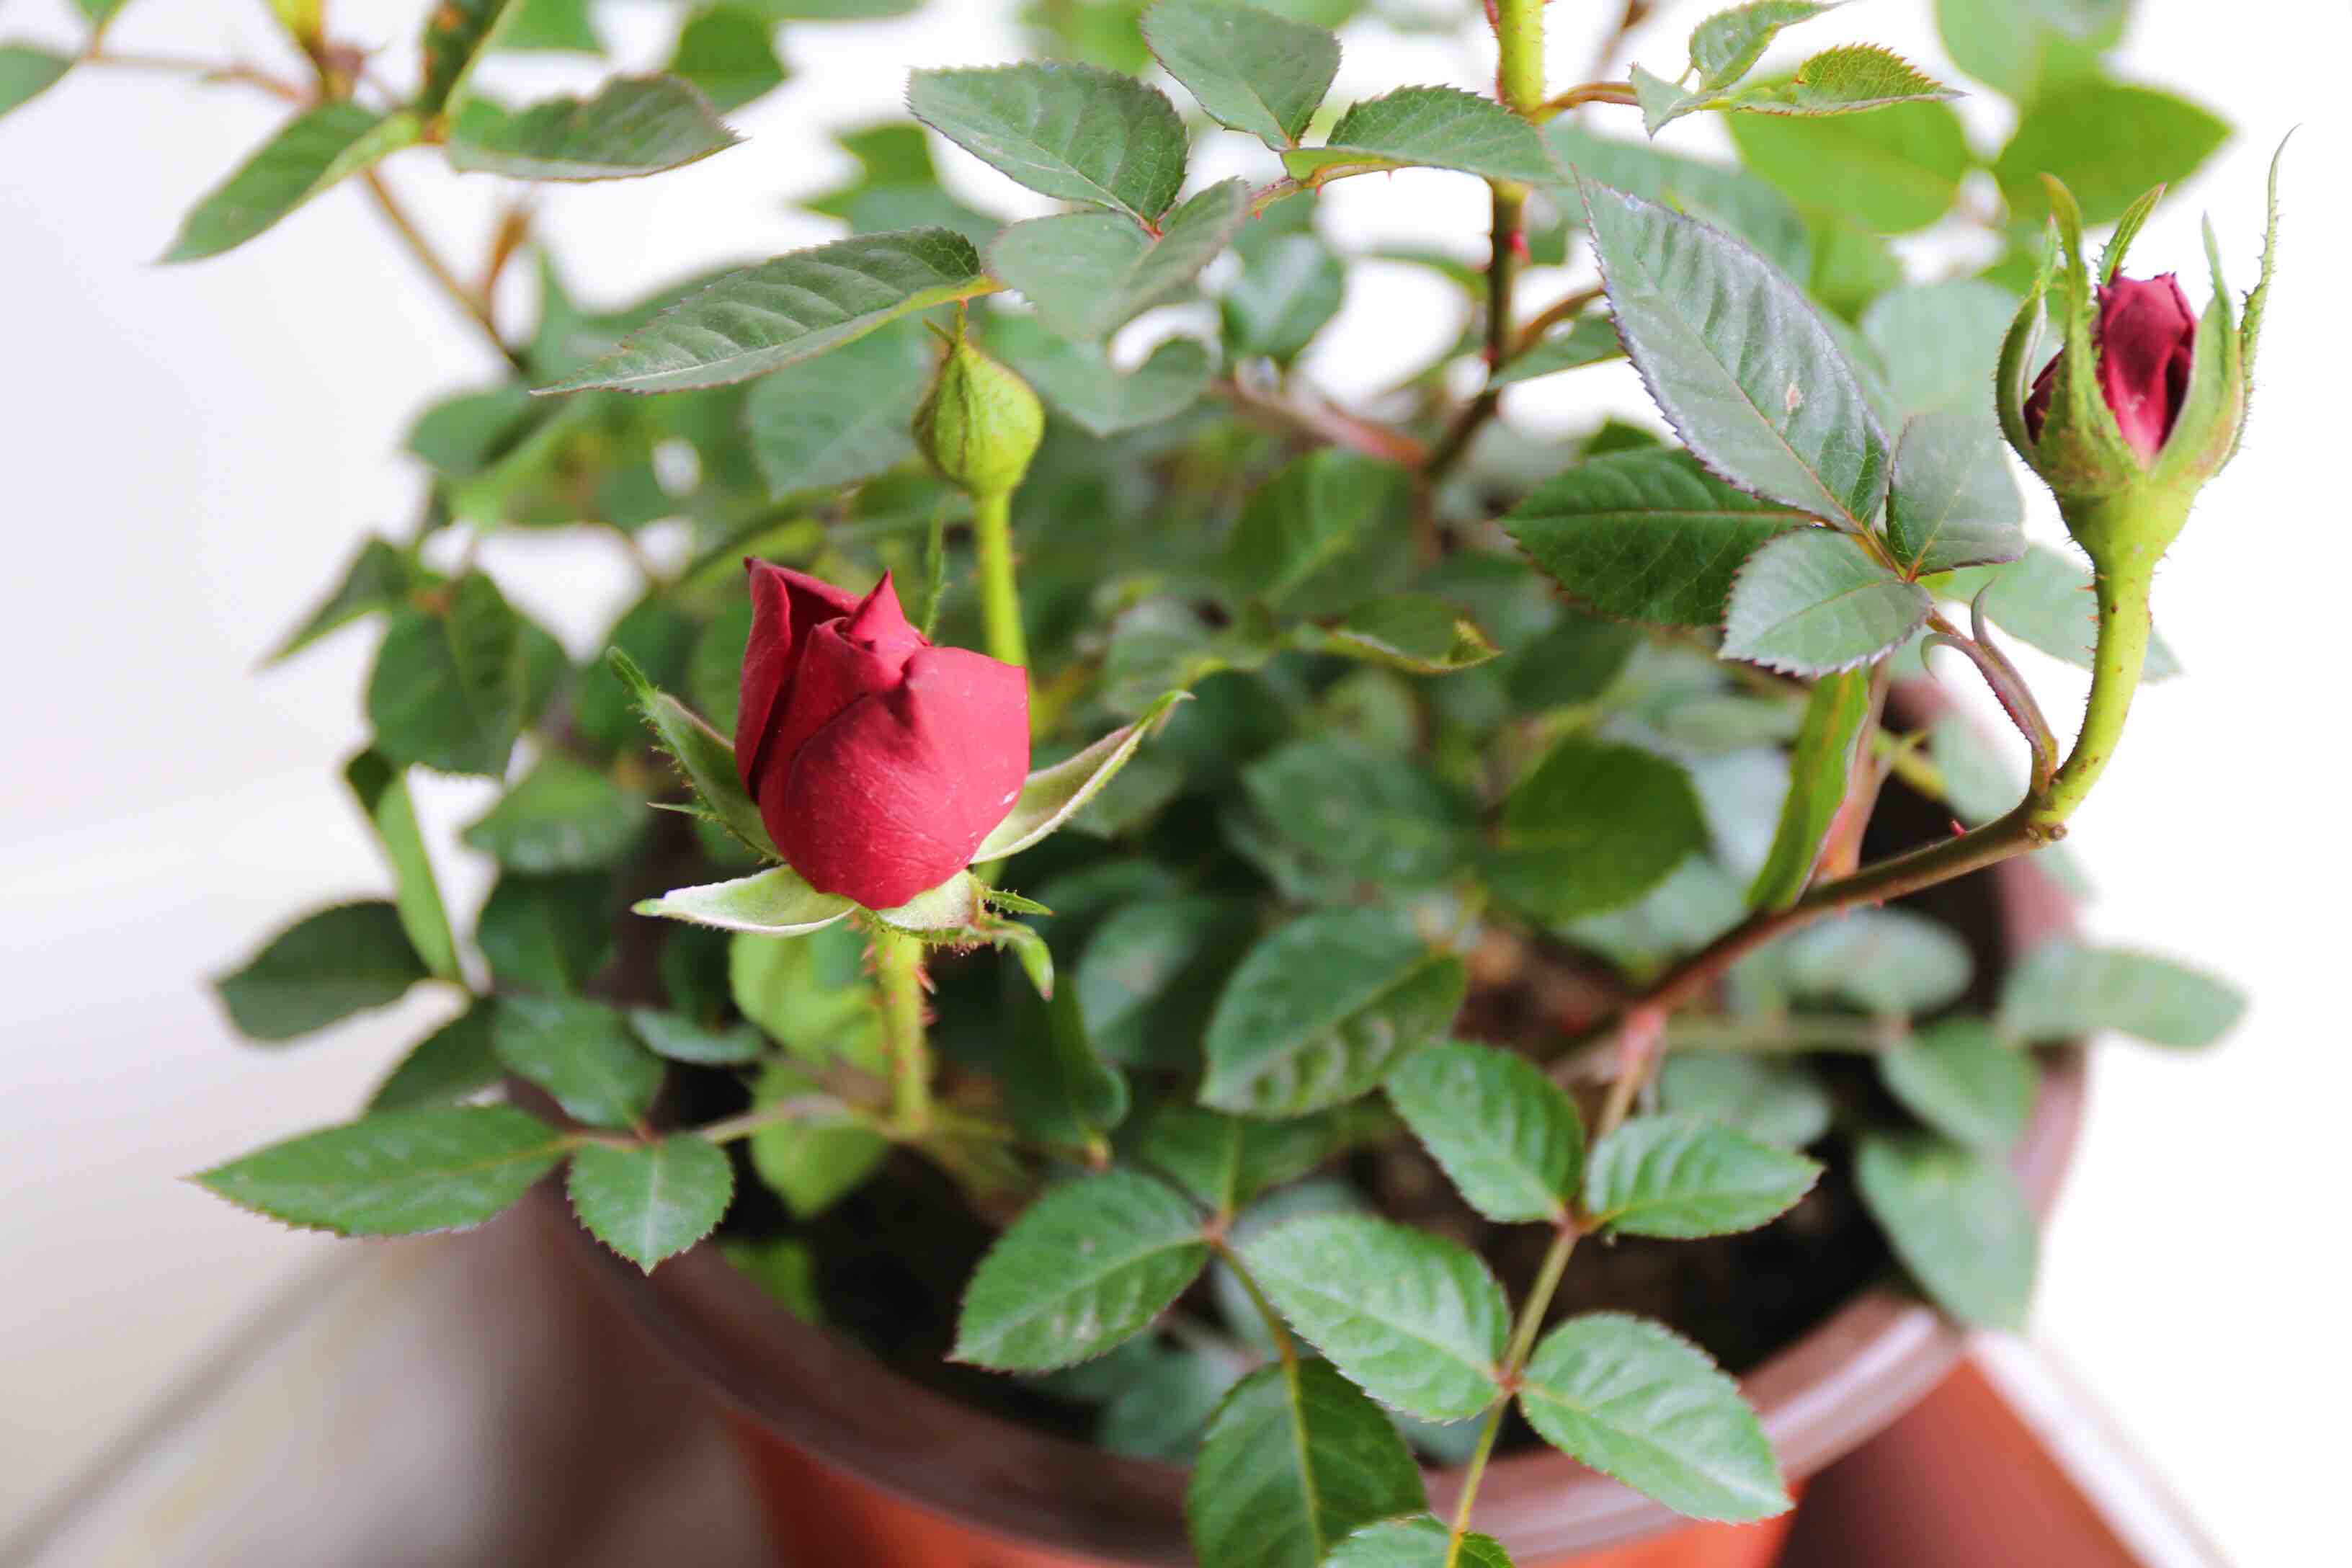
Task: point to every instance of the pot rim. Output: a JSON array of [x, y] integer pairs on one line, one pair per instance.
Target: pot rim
[[1819, 1397]]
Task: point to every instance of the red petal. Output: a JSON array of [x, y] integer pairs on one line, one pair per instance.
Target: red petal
[[786, 606], [2146, 335], [894, 796]]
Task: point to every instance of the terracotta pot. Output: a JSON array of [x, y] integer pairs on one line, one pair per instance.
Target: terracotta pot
[[857, 1466]]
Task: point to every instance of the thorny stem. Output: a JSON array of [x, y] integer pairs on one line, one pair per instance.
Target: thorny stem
[[898, 971], [1000, 598]]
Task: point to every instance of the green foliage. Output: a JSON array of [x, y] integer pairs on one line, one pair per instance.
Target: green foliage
[[1074, 133], [1952, 502], [2044, 600], [1674, 1176], [728, 53], [635, 125], [381, 792], [1846, 80], [1508, 1136], [1088, 274], [1149, 974], [1417, 1321], [26, 72], [316, 150], [2021, 47], [1817, 602], [454, 1062], [1417, 633], [1890, 962], [1955, 1217], [1592, 828], [1320, 1009], [1226, 1161], [1821, 768], [1961, 1080], [1088, 1264], [840, 418], [1295, 1460], [681, 1039], [451, 681], [1052, 796], [706, 759], [1079, 381], [651, 1200], [550, 934], [1726, 46], [814, 1159], [1940, 342], [562, 817], [582, 1052], [1367, 815], [1439, 127], [1419, 1543], [457, 33], [2065, 990], [1250, 70], [321, 970], [1633, 1400], [1770, 1101], [1058, 1089], [2109, 142], [1894, 169], [395, 1173]]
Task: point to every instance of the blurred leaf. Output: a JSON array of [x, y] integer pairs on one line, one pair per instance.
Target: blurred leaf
[[1295, 1460], [2020, 48], [315, 149], [320, 970], [379, 578], [26, 72], [1289, 288], [1593, 827], [1419, 1543], [2043, 599], [562, 817], [1090, 1264], [396, 1172], [2108, 142], [1077, 379], [1737, 359], [381, 792], [1956, 1218], [1889, 962], [1681, 1177], [1815, 603], [729, 54], [560, 26], [815, 1160], [654, 1201], [1507, 1135], [786, 1267], [1416, 633], [841, 419], [1633, 1400], [1417, 1321], [1645, 535], [1149, 974], [547, 933], [2065, 990], [448, 688], [1088, 274], [1075, 132], [457, 34], [763, 317], [1820, 772], [1729, 198], [1251, 70], [582, 1052], [1588, 339], [681, 1039], [1963, 1081], [1727, 46], [1894, 169], [1375, 816], [635, 125], [452, 1063], [1940, 342], [1436, 127], [1319, 537], [1056, 1087], [1776, 1101], [1319, 1010], [1162, 1406]]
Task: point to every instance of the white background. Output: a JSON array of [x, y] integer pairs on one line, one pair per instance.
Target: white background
[[190, 453]]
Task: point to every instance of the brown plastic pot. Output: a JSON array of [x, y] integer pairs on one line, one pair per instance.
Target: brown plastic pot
[[860, 1468]]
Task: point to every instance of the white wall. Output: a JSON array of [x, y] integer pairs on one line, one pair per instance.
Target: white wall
[[190, 452]]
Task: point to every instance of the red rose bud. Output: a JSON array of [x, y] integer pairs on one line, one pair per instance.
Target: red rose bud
[[878, 761], [2146, 336]]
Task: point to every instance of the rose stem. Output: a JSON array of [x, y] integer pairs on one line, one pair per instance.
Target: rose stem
[[898, 971], [1000, 600]]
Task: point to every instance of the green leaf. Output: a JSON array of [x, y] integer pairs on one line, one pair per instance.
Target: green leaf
[[582, 1052], [555, 26], [320, 970], [777, 902], [1088, 274], [26, 72], [1051, 797], [1846, 80], [2065, 990], [379, 578], [842, 418], [1421, 1542], [1593, 827], [449, 682], [1634, 1399], [563, 816], [1319, 1010], [1727, 46], [1680, 1177], [396, 1172], [1894, 170], [547, 933], [1079, 380], [815, 1159], [1323, 535], [1775, 1101], [1090, 1264], [1645, 535], [1940, 342], [1663, 102], [681, 1039], [1729, 198], [1057, 1089], [1149, 974], [1738, 361], [1252, 70], [1295, 1460], [1816, 603], [1435, 127], [703, 756], [2043, 599], [1952, 502], [1226, 1161], [1956, 1218], [784, 1267], [383, 794], [762, 318], [2109, 142], [1417, 633], [654, 1201], [729, 54], [457, 33], [1962, 1080], [815, 997], [1887, 962], [310, 153], [1369, 815], [635, 125], [453, 1063], [1821, 770], [1573, 663], [2020, 47], [1075, 132], [1415, 1321], [1508, 1136], [1588, 339], [1289, 288]]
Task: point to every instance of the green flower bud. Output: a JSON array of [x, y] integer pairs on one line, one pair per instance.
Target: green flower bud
[[980, 424]]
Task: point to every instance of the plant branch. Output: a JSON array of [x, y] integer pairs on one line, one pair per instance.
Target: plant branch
[[899, 971], [1548, 318], [1000, 597], [1284, 1346], [476, 309], [1532, 1312], [1323, 422], [1576, 97], [793, 1108], [225, 72]]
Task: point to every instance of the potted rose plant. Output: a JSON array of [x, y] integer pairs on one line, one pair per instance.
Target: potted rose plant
[[1220, 976]]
